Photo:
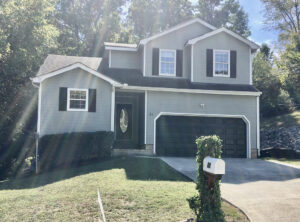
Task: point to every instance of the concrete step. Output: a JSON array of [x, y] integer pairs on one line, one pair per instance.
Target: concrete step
[[129, 152]]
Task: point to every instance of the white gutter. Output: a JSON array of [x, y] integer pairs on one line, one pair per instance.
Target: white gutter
[[198, 91]]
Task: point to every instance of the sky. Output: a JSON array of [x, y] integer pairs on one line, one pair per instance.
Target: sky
[[254, 9]]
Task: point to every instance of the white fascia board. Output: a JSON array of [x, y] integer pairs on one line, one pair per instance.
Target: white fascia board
[[246, 41], [144, 41], [121, 49], [198, 91], [41, 78]]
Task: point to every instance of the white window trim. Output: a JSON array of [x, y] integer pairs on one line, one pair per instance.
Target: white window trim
[[167, 50], [214, 63], [86, 101]]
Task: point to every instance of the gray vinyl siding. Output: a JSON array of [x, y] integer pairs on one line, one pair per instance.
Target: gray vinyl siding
[[53, 121], [141, 59], [187, 62], [174, 40], [125, 60], [225, 42], [190, 103]]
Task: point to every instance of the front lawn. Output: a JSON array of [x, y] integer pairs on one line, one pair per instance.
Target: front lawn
[[286, 120], [132, 189], [285, 160]]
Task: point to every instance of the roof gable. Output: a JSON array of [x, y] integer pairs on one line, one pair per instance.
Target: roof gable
[[177, 27], [41, 78], [217, 31]]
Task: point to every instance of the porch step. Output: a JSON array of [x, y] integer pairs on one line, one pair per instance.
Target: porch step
[[129, 152]]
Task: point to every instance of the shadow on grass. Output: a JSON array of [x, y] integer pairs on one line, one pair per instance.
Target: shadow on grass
[[136, 168]]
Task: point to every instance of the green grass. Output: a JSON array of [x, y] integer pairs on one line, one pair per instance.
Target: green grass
[[287, 120], [285, 160], [132, 189]]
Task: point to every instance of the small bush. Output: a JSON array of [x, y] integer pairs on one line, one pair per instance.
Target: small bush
[[207, 203], [71, 148]]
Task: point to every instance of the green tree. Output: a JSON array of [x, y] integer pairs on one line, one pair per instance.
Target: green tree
[[228, 13], [283, 16], [26, 36], [266, 77], [289, 64], [85, 24], [150, 17], [266, 51]]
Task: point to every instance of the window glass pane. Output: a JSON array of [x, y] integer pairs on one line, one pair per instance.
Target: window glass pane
[[218, 68], [225, 58], [77, 94], [77, 99], [164, 67], [124, 120], [77, 104], [218, 57], [221, 63], [167, 62], [226, 69]]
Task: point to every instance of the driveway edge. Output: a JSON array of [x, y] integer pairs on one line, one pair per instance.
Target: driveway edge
[[248, 217], [284, 164]]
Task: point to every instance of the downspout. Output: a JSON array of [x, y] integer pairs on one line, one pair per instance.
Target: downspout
[[37, 133]]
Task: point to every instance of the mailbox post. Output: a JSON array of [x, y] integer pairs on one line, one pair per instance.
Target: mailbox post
[[213, 169]]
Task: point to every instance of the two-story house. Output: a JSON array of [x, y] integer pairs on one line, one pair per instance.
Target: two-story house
[[159, 95]]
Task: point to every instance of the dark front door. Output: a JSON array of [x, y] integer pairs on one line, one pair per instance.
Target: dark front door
[[126, 122]]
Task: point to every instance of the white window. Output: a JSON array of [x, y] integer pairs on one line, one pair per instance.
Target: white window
[[167, 62], [77, 99], [221, 63]]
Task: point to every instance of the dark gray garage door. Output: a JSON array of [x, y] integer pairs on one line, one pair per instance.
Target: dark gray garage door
[[175, 135]]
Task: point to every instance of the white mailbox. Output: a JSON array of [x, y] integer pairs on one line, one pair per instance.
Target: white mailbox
[[214, 166]]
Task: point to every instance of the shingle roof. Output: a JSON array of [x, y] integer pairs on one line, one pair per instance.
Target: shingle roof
[[55, 62], [135, 78]]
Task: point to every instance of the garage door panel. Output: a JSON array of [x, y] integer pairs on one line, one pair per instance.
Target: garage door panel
[[176, 135]]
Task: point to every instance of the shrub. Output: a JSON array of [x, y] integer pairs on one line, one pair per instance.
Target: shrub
[[274, 99], [71, 148], [207, 203]]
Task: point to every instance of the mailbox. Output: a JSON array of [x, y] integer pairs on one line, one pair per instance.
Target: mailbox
[[214, 166], [214, 169]]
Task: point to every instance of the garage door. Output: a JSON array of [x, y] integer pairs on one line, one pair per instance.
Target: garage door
[[175, 135]]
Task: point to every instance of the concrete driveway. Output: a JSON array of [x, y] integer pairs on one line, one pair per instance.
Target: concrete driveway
[[265, 191]]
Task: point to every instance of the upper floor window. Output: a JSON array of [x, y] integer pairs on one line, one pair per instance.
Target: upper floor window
[[167, 64], [221, 63], [77, 99]]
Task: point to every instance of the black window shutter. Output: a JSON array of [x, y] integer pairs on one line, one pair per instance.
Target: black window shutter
[[232, 64], [62, 104], [92, 100], [209, 62], [155, 61], [179, 57]]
